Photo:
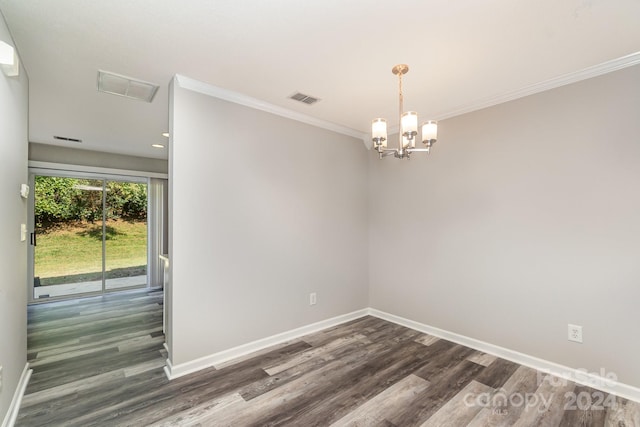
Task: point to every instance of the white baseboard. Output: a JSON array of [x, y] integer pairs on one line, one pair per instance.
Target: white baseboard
[[14, 407], [168, 369], [578, 376], [175, 371], [571, 374]]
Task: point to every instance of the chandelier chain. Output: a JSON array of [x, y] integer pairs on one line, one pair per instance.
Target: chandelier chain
[[401, 98]]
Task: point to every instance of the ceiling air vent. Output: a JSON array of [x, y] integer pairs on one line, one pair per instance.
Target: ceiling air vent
[[66, 138], [128, 87], [306, 99]]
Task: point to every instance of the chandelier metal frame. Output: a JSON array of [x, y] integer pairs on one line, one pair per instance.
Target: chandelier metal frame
[[408, 127]]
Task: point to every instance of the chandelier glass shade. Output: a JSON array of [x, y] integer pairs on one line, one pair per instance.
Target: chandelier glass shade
[[408, 132]]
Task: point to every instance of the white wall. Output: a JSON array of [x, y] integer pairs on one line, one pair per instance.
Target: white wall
[[264, 210], [73, 156], [525, 217], [14, 97]]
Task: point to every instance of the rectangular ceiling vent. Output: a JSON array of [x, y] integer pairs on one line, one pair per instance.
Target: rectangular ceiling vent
[[66, 138], [306, 99], [128, 87]]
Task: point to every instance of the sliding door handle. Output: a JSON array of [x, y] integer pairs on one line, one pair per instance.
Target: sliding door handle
[[33, 239]]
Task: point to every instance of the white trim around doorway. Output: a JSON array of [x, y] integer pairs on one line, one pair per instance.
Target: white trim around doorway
[[94, 170]]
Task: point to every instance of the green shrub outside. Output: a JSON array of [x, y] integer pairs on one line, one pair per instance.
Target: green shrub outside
[[62, 200]]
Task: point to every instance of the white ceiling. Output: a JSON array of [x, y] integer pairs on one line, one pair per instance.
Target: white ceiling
[[341, 51]]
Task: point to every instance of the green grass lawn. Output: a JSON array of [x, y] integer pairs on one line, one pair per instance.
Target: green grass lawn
[[73, 253]]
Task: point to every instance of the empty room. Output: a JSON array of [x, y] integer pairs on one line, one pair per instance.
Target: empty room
[[256, 213]]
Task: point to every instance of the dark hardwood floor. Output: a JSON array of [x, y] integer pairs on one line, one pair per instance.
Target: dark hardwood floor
[[98, 361]]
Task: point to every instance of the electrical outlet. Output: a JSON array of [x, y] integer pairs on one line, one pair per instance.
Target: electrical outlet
[[312, 298], [575, 333]]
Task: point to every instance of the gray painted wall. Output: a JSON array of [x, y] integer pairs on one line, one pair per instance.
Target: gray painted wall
[[264, 210], [524, 218], [14, 96], [73, 156]]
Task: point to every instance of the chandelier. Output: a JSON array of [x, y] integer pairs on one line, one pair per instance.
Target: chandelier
[[408, 132]]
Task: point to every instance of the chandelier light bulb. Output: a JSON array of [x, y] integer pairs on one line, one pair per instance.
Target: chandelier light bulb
[[409, 124], [379, 132], [430, 132]]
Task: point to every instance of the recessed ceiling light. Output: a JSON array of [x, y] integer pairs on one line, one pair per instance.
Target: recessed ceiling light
[[165, 134], [128, 87], [157, 145]]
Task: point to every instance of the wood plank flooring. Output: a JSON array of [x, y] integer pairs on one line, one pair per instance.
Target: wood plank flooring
[[98, 362]]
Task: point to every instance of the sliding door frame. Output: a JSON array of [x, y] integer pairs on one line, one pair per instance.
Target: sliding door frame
[[61, 173]]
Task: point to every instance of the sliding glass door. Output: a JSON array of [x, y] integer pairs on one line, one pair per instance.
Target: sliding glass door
[[125, 235], [67, 252], [89, 235]]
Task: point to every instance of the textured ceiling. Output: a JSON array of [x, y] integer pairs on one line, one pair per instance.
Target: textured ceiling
[[460, 52]]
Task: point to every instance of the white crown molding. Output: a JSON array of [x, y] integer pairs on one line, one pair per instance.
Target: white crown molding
[[571, 374], [14, 406], [241, 99], [566, 79], [174, 371], [238, 98]]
